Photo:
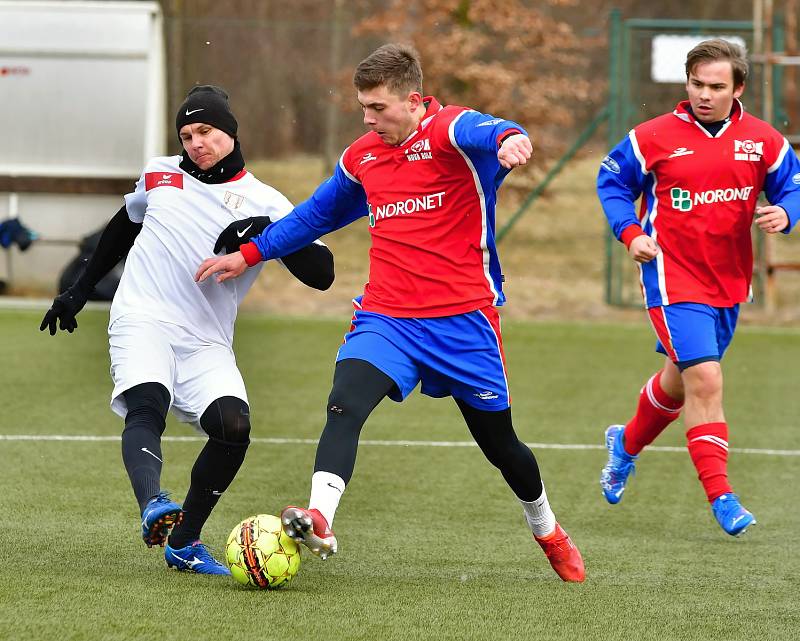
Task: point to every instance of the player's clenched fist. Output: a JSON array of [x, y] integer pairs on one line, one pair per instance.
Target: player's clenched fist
[[226, 267], [516, 150], [643, 249]]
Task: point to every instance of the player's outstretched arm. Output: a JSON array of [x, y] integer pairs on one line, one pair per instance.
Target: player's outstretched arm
[[225, 267], [312, 265], [516, 150], [115, 242]]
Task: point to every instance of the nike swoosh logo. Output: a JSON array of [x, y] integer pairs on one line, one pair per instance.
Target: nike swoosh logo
[[334, 487], [736, 520], [241, 234], [144, 449], [193, 111]]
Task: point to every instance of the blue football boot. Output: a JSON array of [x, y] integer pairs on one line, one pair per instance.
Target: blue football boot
[[160, 515], [194, 558], [620, 465], [730, 514]]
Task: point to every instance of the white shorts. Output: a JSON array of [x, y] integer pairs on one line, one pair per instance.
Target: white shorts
[[196, 372]]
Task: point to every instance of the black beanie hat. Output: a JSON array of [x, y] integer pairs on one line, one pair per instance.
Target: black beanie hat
[[208, 104]]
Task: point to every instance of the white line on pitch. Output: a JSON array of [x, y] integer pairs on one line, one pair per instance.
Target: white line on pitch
[[313, 441]]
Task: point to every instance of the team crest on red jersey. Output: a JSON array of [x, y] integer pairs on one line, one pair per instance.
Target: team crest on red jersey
[[420, 150], [748, 150], [162, 179]]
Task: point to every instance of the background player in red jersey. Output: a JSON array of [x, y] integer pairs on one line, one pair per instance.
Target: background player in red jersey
[[426, 176], [699, 171]]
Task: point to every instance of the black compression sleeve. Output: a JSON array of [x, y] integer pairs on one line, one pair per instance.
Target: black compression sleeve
[[495, 435], [115, 242], [312, 265], [358, 387]]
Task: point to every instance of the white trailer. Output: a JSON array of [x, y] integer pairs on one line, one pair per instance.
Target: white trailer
[[82, 102]]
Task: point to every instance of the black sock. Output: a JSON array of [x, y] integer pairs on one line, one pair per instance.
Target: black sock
[[227, 422], [141, 439]]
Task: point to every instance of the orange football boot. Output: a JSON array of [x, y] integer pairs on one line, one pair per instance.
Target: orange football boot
[[564, 557]]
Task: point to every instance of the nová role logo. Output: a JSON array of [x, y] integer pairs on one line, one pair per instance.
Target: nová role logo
[[420, 150], [748, 150]]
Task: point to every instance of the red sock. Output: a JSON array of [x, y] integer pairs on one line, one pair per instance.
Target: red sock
[[655, 411], [708, 447]]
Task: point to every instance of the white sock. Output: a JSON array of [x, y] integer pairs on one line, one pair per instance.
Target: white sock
[[326, 490], [539, 516]]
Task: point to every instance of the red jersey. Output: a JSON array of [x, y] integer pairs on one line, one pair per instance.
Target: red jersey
[[430, 205], [699, 194]]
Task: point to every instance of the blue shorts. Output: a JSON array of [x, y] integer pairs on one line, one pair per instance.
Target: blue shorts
[[459, 356], [691, 333]]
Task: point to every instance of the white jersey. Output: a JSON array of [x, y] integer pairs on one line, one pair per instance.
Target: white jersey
[[181, 219]]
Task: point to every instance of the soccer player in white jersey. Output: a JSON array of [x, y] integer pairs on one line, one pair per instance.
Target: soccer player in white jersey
[[171, 338]]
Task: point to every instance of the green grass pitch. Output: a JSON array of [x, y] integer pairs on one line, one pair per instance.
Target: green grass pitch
[[432, 543]]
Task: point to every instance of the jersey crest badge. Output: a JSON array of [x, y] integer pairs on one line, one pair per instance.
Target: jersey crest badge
[[748, 150], [162, 179], [420, 150], [232, 201]]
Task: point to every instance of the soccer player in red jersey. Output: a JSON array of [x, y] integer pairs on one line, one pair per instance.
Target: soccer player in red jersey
[[426, 177], [699, 171]]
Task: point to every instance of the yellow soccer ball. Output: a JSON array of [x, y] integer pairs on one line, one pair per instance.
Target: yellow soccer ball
[[260, 554]]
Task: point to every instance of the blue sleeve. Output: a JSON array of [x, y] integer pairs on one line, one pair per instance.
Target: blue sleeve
[[620, 182], [477, 135], [337, 202], [481, 132], [782, 186]]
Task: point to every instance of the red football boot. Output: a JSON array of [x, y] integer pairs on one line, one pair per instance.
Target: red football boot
[[311, 529], [563, 555]]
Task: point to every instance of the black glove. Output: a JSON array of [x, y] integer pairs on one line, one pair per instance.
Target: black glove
[[64, 309], [240, 232]]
